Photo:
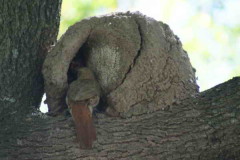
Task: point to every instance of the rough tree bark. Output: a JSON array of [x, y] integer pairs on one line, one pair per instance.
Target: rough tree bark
[[27, 30], [193, 126]]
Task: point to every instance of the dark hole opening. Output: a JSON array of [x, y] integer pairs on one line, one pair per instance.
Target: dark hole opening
[[78, 61]]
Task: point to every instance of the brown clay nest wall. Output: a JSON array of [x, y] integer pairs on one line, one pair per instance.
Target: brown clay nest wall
[[138, 62]]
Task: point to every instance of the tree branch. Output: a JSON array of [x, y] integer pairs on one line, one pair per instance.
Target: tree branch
[[202, 127]]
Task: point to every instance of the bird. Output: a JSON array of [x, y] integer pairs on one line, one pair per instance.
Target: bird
[[83, 94]]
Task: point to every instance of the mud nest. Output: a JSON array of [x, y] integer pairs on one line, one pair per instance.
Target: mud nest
[[138, 61]]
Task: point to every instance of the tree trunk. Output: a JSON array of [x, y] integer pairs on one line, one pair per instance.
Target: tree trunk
[[27, 31], [203, 126]]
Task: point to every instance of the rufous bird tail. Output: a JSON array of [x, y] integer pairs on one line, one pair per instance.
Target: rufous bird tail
[[86, 132]]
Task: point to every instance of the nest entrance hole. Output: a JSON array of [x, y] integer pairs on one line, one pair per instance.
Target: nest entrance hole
[[77, 62]]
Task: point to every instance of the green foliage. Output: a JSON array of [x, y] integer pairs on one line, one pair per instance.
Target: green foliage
[[75, 10], [212, 44]]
